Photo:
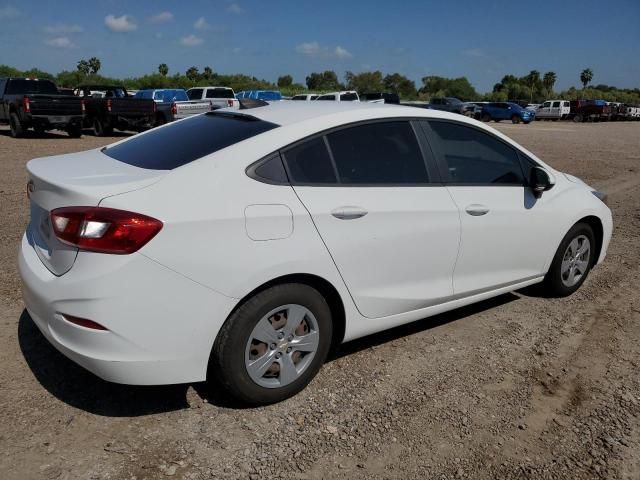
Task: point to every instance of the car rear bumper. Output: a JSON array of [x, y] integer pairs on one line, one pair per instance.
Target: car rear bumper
[[160, 325]]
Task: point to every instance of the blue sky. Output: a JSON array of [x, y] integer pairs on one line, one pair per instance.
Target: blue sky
[[482, 40]]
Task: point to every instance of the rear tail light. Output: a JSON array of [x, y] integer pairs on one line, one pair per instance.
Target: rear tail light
[[83, 322], [26, 105], [229, 103], [103, 230], [109, 105], [174, 108]]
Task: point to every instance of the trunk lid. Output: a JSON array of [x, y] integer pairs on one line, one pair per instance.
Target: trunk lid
[[78, 179]]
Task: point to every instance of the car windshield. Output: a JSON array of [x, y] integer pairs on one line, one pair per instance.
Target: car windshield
[[183, 142], [31, 86]]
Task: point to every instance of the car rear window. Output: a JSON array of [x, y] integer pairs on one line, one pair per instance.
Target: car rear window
[[220, 93], [31, 86], [188, 140]]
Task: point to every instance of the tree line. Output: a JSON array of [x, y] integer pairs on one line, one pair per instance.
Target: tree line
[[533, 87]]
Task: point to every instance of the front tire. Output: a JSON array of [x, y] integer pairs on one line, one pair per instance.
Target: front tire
[[572, 262], [273, 345]]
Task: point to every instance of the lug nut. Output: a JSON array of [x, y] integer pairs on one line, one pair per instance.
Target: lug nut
[[281, 335], [272, 346], [289, 350], [278, 355], [290, 337]]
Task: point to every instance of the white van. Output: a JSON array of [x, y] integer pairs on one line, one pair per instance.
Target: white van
[[553, 109]]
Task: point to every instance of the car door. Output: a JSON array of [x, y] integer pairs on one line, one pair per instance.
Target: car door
[[501, 221], [545, 110], [390, 226], [555, 110], [504, 111]]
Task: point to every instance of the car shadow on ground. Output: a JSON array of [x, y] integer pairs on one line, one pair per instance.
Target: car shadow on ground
[[80, 388]]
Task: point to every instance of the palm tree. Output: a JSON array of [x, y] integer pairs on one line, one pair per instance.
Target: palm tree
[[585, 77], [163, 69], [83, 67], [207, 73], [549, 81], [532, 79], [94, 65], [192, 73]]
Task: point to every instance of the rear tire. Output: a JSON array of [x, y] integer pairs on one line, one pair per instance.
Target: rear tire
[[16, 127], [577, 118], [74, 131], [283, 370], [572, 262], [101, 129]]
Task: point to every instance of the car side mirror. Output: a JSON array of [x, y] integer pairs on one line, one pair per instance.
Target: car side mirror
[[539, 181]]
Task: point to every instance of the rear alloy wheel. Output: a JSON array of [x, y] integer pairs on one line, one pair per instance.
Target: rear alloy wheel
[[16, 127], [273, 345], [572, 261], [515, 119]]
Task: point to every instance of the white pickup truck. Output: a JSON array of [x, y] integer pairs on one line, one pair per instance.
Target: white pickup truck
[[553, 110], [218, 97]]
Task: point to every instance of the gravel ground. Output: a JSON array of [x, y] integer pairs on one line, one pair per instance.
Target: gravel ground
[[513, 388]]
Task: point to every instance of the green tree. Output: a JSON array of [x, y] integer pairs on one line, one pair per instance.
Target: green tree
[[365, 81], [94, 64], [401, 85], [163, 69], [285, 81], [435, 86], [83, 67], [192, 74], [549, 80], [327, 80], [585, 77]]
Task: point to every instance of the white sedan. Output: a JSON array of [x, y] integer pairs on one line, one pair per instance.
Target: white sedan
[[242, 245]]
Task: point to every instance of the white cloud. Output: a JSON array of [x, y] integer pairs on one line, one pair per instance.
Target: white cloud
[[235, 8], [9, 11], [161, 17], [61, 28], [125, 23], [191, 41], [201, 24], [316, 50], [61, 42], [474, 52], [342, 53]]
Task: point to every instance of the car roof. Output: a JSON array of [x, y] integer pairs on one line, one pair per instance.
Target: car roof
[[289, 113]]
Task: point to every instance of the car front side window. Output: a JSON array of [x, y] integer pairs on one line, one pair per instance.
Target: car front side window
[[469, 156]]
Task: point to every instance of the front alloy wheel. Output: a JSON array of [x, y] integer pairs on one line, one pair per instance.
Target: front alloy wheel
[[572, 262]]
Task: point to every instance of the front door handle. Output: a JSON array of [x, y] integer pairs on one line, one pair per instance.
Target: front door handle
[[476, 210], [348, 213]]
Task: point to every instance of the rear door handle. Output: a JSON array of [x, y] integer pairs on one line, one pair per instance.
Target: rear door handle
[[477, 210], [348, 213]]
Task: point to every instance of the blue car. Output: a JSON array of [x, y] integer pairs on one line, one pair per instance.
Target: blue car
[[497, 111], [164, 94]]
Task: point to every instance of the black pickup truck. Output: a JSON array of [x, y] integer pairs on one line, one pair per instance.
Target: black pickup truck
[[31, 103], [111, 106]]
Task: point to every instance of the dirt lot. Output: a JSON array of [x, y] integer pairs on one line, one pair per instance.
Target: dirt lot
[[516, 387]]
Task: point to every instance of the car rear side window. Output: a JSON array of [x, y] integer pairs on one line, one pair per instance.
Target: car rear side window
[[19, 86], [309, 162], [472, 157], [381, 153], [348, 97], [188, 140]]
